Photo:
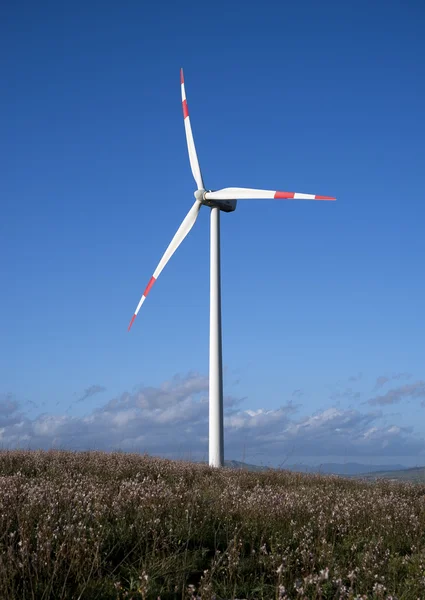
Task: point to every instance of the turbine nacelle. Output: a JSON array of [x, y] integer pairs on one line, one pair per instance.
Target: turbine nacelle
[[222, 204]]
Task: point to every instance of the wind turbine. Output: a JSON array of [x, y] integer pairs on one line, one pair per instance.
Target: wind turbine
[[225, 200]]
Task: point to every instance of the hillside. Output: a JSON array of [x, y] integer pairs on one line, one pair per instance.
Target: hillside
[[115, 526]]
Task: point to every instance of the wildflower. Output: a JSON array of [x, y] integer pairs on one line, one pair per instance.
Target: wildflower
[[282, 592]]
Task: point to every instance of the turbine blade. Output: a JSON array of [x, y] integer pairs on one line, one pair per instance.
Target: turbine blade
[[181, 233], [193, 158], [234, 193]]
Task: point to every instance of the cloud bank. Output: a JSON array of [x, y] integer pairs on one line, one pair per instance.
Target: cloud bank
[[172, 420]]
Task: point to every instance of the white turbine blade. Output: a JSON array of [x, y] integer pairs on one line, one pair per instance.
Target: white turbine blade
[[181, 233], [234, 193], [194, 163]]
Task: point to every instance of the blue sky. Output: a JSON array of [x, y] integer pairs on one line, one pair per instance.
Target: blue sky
[[324, 98]]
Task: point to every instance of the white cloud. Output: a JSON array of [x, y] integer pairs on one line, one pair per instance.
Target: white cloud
[[172, 420]]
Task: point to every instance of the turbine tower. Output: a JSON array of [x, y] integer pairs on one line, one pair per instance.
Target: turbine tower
[[220, 200]]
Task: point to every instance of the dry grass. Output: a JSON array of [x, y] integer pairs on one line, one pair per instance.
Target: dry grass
[[112, 526]]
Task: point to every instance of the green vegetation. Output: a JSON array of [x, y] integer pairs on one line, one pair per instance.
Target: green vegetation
[[86, 526]]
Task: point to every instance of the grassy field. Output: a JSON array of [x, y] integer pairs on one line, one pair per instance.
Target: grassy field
[[113, 526]]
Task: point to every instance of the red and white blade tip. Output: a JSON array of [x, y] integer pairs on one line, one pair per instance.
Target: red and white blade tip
[[131, 322], [181, 76], [296, 196], [142, 299]]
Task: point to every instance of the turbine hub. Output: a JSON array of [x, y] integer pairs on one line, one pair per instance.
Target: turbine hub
[[199, 195]]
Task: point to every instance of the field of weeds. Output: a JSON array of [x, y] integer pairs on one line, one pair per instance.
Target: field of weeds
[[112, 526]]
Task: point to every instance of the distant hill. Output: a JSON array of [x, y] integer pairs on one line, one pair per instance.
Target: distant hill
[[358, 470], [416, 474], [325, 468], [348, 468]]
